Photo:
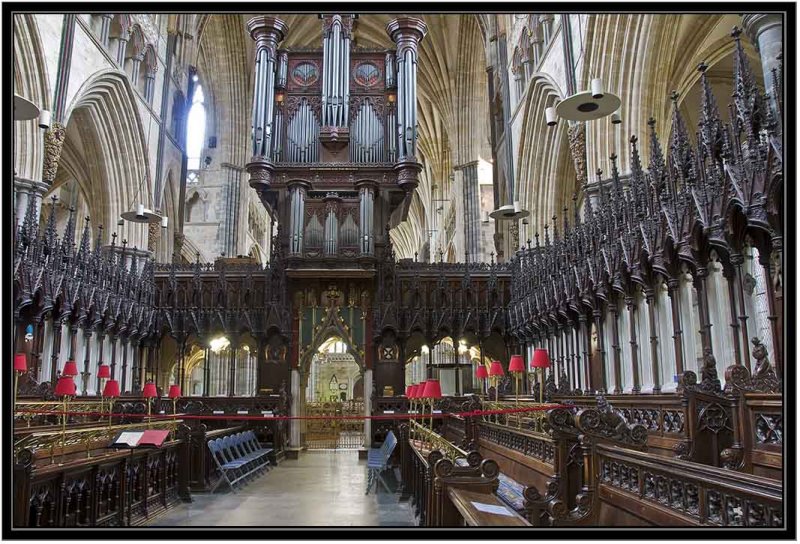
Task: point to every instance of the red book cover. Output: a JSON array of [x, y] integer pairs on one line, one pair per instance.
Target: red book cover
[[153, 438]]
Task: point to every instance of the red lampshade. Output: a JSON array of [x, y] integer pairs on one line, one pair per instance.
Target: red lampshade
[[104, 371], [20, 362], [412, 392], [496, 369], [174, 391], [540, 359], [481, 372], [408, 391], [516, 364], [65, 386], [111, 389], [432, 390], [70, 369], [149, 391]]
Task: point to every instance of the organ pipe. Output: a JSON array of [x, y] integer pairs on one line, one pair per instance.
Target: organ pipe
[[283, 65], [267, 33]]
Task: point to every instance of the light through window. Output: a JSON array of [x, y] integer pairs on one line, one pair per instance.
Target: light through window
[[195, 129]]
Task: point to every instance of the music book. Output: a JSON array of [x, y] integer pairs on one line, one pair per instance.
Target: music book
[[133, 439]]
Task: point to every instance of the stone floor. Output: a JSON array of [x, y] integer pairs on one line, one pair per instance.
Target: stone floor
[[324, 488]]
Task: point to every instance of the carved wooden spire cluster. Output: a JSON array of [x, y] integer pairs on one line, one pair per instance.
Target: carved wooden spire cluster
[[713, 192], [94, 286]]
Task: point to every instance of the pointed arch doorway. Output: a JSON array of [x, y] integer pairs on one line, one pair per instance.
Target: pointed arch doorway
[[333, 382]]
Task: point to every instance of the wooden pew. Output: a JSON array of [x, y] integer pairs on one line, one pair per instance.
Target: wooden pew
[[463, 501], [80, 490]]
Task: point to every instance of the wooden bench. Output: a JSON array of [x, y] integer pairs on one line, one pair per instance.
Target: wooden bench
[[465, 502]]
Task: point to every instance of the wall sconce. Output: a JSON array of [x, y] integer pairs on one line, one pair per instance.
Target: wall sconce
[[392, 98], [279, 96]]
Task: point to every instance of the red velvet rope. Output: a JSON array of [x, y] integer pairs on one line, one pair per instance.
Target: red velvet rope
[[474, 413]]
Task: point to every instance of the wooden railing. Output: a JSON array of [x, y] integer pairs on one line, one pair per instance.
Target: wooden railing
[[635, 488], [114, 489]]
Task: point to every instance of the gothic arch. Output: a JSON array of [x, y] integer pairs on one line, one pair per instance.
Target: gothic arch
[[31, 82], [545, 173], [332, 327], [104, 121]]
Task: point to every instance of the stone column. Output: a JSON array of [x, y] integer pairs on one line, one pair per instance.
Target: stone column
[[765, 30], [122, 45], [367, 407], [267, 32], [136, 63], [472, 219], [294, 424], [24, 190], [407, 32], [105, 28]]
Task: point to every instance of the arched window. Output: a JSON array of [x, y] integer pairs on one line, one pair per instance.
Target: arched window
[[195, 130]]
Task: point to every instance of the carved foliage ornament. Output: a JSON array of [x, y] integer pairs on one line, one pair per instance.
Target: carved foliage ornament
[[53, 143]]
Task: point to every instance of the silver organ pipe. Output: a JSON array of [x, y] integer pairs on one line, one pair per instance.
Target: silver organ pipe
[[277, 135], [366, 135], [283, 65], [267, 33], [345, 82], [335, 75], [391, 122], [401, 120], [258, 101], [389, 70], [348, 232], [302, 137], [314, 232], [269, 105], [409, 104], [296, 219], [326, 78], [331, 232]]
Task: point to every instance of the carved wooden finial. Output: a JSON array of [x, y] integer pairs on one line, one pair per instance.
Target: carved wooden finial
[[736, 32]]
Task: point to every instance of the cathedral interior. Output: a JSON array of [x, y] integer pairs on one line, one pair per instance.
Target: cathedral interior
[[263, 262]]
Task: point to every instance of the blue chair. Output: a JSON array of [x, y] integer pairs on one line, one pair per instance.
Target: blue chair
[[378, 461]]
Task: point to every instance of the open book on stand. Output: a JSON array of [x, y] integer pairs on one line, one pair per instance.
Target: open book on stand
[[139, 439]]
